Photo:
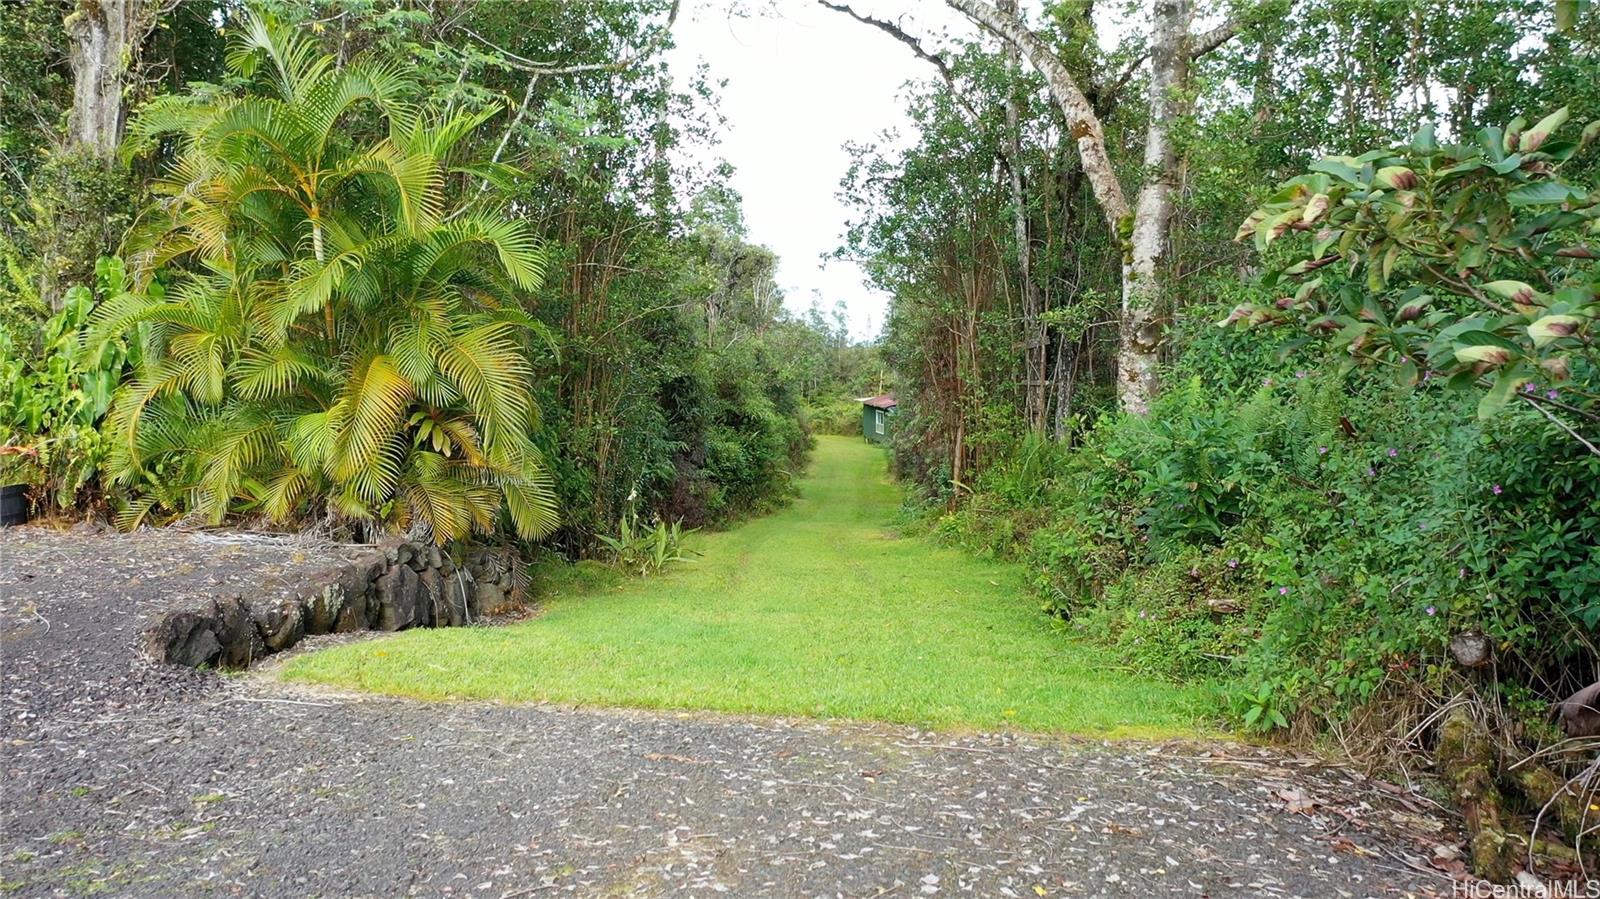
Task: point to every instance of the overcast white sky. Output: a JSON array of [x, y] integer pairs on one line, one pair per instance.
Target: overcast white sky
[[803, 80]]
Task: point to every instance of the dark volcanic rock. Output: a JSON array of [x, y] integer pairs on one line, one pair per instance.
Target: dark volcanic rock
[[487, 598], [183, 638], [323, 605], [236, 631], [399, 589], [433, 607], [281, 623]]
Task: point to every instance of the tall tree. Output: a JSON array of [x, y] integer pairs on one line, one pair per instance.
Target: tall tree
[[105, 38], [1143, 226]]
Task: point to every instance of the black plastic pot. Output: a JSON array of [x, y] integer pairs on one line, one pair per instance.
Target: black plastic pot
[[13, 505]]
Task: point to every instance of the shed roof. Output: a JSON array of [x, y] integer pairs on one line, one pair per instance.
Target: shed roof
[[882, 401]]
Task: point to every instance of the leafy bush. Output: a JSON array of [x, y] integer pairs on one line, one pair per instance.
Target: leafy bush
[[1470, 262], [331, 340], [1313, 542], [645, 549], [54, 393], [840, 415]]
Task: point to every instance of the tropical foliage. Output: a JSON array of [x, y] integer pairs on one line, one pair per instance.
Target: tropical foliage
[[323, 331], [55, 392], [1388, 456], [386, 273], [1420, 260]]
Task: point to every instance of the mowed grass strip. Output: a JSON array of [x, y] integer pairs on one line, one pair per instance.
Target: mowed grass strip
[[818, 610]]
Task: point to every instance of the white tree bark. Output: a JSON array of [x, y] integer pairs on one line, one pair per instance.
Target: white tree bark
[[1152, 217], [1082, 121], [105, 35], [1142, 229]]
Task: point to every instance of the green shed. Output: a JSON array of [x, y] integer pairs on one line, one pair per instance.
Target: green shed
[[876, 414]]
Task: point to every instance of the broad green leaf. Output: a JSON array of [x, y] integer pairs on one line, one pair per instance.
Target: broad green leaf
[[1566, 14], [1395, 177], [1491, 139], [1513, 133], [1315, 207], [1507, 165], [1424, 141], [1515, 291], [1339, 167], [1543, 193], [1467, 339], [1505, 386]]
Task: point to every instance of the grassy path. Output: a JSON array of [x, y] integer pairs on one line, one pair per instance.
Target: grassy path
[[817, 610]]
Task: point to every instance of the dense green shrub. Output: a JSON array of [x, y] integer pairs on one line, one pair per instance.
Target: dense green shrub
[[839, 415], [55, 391], [1468, 262], [335, 341], [1313, 541]]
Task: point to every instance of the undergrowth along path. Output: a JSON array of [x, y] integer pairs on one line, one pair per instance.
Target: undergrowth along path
[[820, 609]]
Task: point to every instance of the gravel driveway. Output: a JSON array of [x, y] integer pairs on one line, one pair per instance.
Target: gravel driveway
[[122, 778]]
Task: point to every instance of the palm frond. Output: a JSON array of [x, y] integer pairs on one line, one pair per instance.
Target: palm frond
[[492, 373], [370, 410], [515, 249], [262, 374], [293, 55]]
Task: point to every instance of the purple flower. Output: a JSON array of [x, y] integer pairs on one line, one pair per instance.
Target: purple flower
[[1422, 525], [1552, 394], [1141, 613], [1393, 452], [1266, 382], [1495, 490], [1404, 359], [1299, 374], [1371, 471], [1530, 387], [1233, 563], [1283, 591], [1432, 611], [1461, 573], [1194, 572], [1322, 451]]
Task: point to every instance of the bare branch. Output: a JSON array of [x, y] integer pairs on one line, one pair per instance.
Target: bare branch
[[1206, 41], [1082, 122], [1108, 91], [538, 69], [1563, 426], [900, 34], [1199, 45]]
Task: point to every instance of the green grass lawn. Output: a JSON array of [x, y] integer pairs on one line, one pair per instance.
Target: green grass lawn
[[816, 610]]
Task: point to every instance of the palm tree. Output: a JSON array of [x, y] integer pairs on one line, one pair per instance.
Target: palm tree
[[327, 340]]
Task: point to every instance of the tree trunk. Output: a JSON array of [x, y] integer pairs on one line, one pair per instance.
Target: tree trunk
[[1035, 345], [105, 34], [1143, 232], [1141, 276], [1081, 120], [1066, 383]]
